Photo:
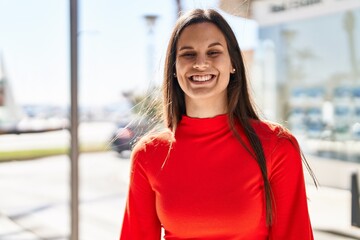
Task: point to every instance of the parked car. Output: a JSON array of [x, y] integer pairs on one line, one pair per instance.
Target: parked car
[[126, 135]]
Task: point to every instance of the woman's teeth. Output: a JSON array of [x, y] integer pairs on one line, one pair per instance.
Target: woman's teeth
[[201, 78]]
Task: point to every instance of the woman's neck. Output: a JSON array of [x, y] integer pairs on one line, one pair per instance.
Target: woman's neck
[[203, 108]]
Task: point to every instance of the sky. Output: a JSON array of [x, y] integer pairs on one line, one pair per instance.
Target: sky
[[114, 44]]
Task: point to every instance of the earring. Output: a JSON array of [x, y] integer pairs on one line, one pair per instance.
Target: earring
[[174, 75], [233, 70]]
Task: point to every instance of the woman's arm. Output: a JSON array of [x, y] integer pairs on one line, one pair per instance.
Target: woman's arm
[[291, 217], [140, 219]]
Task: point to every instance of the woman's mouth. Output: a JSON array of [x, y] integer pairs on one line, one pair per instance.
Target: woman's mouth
[[202, 78]]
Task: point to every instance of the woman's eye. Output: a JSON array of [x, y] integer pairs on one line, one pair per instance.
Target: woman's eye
[[213, 53], [188, 55]]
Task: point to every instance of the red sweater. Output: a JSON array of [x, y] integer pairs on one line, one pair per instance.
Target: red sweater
[[204, 184]]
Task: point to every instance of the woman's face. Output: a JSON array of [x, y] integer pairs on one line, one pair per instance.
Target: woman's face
[[203, 64]]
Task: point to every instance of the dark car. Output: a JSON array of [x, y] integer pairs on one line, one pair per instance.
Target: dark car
[[127, 135]]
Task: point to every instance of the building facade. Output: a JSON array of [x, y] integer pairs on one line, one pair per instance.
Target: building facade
[[306, 69]]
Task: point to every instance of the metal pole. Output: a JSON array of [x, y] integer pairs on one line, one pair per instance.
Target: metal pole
[[74, 149], [355, 207], [179, 9], [151, 21]]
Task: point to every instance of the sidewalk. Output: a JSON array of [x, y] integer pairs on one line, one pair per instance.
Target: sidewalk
[[35, 206], [10, 230], [330, 211], [36, 203]]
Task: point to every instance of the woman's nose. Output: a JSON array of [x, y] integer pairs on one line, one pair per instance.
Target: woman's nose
[[201, 63]]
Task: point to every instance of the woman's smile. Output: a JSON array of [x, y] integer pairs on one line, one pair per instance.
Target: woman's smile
[[202, 78]]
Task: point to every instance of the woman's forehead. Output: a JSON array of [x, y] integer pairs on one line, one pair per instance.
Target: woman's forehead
[[201, 33]]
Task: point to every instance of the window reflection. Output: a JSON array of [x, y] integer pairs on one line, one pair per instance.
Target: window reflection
[[317, 74]]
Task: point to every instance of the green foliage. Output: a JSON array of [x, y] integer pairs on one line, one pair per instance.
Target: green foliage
[[148, 105], [40, 153]]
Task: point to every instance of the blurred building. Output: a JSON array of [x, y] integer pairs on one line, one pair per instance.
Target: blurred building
[[10, 113], [26, 119], [306, 69]]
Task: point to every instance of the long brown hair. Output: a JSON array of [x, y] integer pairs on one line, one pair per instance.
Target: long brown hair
[[240, 106]]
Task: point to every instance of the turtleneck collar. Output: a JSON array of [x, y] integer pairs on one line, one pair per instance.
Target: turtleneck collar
[[204, 125]]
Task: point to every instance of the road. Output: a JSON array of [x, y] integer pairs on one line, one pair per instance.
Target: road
[[89, 133], [34, 202]]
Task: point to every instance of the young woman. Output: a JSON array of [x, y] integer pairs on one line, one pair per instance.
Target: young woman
[[219, 172]]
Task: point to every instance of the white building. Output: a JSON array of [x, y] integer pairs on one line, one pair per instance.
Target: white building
[[10, 113]]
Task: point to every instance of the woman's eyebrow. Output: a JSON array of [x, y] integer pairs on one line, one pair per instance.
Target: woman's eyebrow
[[210, 45], [185, 48], [215, 44]]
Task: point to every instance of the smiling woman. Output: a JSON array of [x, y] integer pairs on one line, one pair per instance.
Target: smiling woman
[[218, 171]]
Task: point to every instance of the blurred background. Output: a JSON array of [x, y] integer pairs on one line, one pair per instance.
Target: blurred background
[[303, 62]]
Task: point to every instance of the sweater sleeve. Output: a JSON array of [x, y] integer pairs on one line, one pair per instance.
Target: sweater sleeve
[[291, 218], [140, 218]]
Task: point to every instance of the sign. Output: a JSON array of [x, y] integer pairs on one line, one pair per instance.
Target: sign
[[284, 6], [271, 12]]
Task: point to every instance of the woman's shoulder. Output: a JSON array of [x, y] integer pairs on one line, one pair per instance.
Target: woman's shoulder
[[151, 150], [271, 130], [154, 141], [276, 138]]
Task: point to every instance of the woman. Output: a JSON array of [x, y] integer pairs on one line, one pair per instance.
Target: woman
[[219, 172]]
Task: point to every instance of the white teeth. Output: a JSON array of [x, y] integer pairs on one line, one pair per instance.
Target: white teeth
[[201, 78]]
